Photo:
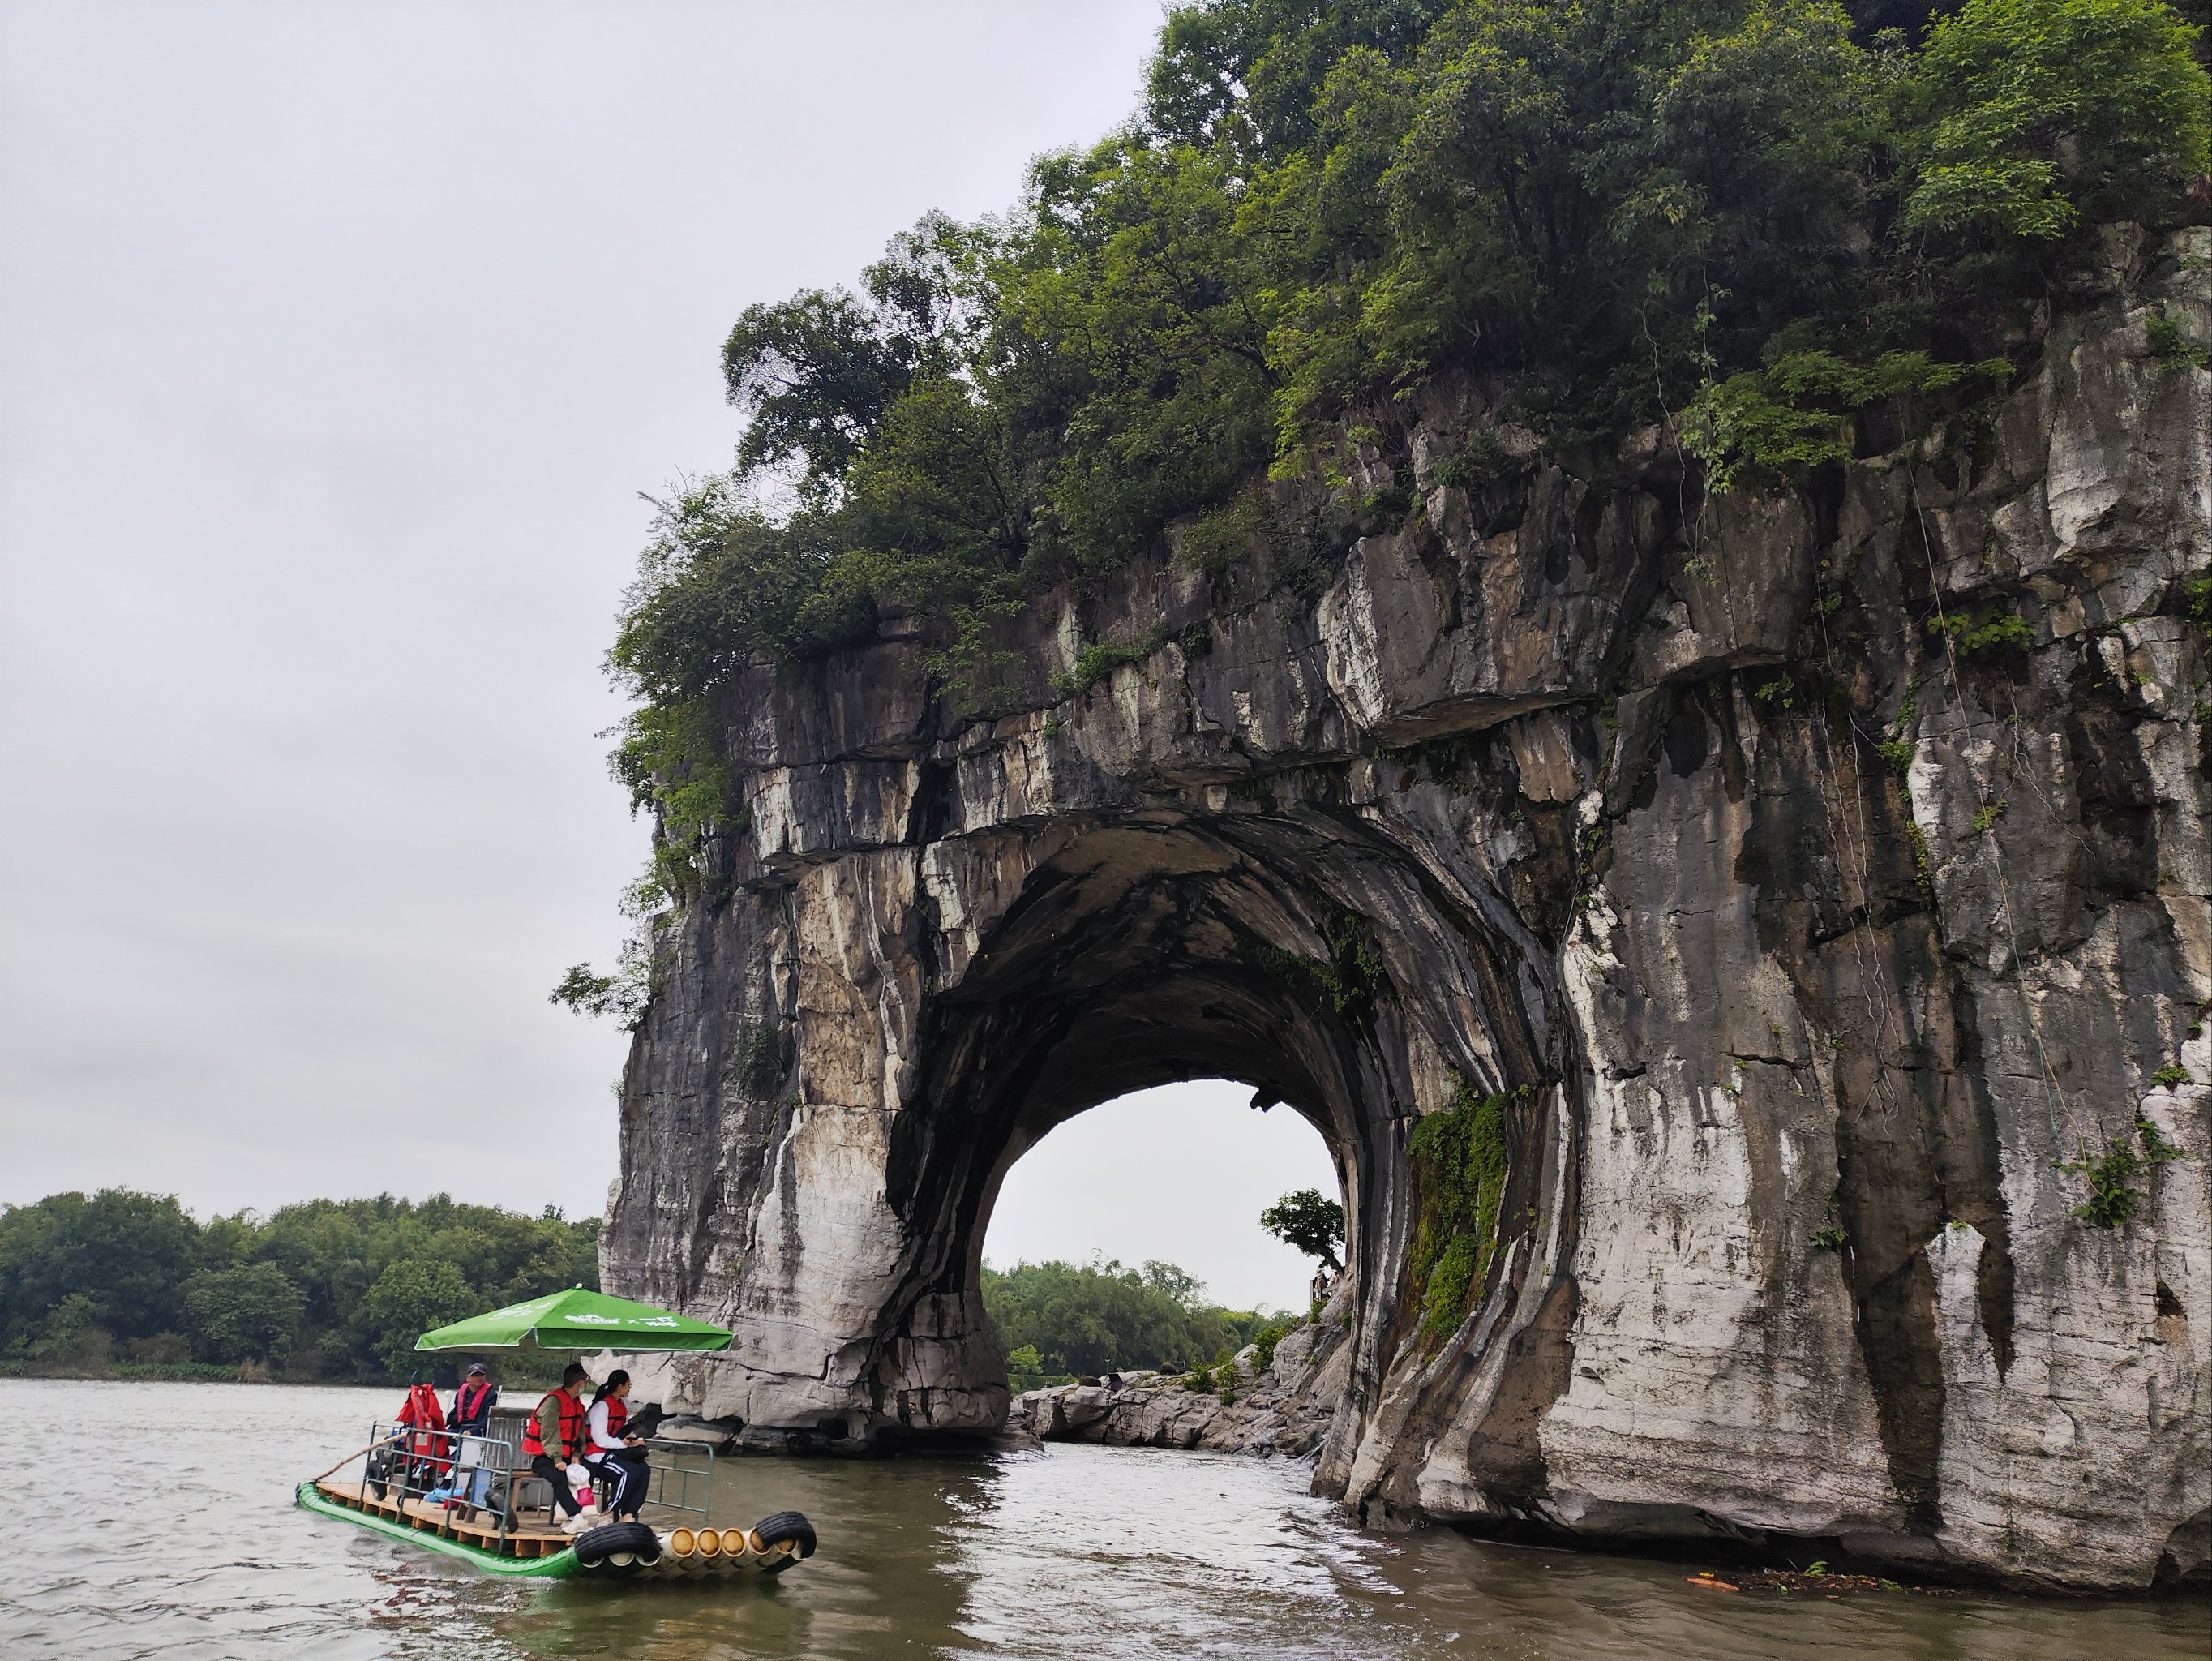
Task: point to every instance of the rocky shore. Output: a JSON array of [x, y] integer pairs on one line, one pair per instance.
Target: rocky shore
[[1282, 1408]]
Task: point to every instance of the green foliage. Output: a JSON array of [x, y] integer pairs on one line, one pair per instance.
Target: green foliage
[[1100, 659], [2171, 343], [1310, 1222], [1923, 868], [1611, 214], [2171, 1075], [1897, 754], [1986, 816], [1103, 1318], [2111, 1175], [1609, 206], [298, 1289], [409, 1299], [122, 1254], [247, 1313], [1459, 1158], [1271, 1333], [73, 1337], [764, 1051], [1996, 634], [1349, 977], [1831, 1238], [2196, 594], [1791, 416], [2024, 118]]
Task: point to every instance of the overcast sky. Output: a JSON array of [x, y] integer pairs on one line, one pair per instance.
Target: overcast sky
[[336, 342]]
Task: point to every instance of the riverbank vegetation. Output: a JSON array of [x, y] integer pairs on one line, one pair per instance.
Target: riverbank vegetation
[[123, 1284], [1057, 1321]]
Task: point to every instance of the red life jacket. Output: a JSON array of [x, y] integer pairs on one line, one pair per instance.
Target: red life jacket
[[468, 1403], [617, 1416], [425, 1417], [572, 1424]]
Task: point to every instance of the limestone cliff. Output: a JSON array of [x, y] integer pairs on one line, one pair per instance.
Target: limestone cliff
[[1810, 946]]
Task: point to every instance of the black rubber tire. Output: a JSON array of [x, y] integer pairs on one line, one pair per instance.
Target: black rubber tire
[[786, 1525], [595, 1546]]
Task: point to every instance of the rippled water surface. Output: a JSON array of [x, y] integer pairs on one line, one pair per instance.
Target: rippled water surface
[[156, 1520]]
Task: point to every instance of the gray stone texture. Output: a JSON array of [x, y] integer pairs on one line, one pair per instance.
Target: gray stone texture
[[1789, 1249]]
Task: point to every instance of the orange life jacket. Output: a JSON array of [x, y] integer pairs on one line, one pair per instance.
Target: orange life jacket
[[425, 1417], [573, 1424]]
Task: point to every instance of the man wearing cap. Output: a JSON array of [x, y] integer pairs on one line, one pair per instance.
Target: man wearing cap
[[471, 1416]]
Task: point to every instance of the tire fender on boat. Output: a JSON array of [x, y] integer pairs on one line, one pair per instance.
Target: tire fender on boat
[[784, 1527], [617, 1546]]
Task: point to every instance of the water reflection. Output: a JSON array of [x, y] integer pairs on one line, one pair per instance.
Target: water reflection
[[176, 1538]]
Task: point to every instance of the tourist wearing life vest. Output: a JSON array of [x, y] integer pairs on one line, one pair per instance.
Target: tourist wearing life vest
[[614, 1455], [471, 1417], [555, 1436]]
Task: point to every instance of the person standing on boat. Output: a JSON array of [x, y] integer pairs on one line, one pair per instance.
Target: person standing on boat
[[555, 1436], [614, 1455]]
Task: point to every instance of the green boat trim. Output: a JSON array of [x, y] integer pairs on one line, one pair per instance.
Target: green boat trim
[[558, 1566]]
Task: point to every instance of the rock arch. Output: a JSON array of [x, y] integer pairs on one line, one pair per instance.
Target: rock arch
[[1544, 790]]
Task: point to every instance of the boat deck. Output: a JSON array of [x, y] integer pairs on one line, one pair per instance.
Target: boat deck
[[526, 1539]]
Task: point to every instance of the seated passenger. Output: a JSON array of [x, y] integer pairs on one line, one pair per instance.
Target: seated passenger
[[614, 1455], [471, 1417], [473, 1402], [555, 1435]]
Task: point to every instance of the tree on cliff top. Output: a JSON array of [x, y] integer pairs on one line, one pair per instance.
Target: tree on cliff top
[[1606, 212]]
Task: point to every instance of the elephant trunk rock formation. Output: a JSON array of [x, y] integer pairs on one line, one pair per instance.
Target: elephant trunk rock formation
[[1800, 899]]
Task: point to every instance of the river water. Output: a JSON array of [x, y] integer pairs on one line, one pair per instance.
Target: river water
[[157, 1520]]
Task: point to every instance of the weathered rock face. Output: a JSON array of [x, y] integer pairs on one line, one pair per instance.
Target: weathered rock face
[[1810, 1027]]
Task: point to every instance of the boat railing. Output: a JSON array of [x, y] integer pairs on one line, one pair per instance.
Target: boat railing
[[683, 1477], [463, 1468], [408, 1462]]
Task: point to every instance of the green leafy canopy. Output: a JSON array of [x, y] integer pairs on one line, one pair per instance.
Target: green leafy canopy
[[1323, 208], [1743, 217]]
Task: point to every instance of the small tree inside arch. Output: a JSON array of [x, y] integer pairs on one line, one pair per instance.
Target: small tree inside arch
[[1310, 1223]]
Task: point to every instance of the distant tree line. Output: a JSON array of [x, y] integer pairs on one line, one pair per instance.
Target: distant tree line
[[333, 1290], [1058, 1319]]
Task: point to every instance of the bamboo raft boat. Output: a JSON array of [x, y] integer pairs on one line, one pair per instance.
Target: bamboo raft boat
[[681, 1552], [409, 1486], [469, 1494]]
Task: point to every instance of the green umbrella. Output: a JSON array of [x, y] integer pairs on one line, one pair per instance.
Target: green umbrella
[[577, 1319]]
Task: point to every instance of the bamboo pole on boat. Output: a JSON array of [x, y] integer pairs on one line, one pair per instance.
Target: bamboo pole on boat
[[344, 1462]]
